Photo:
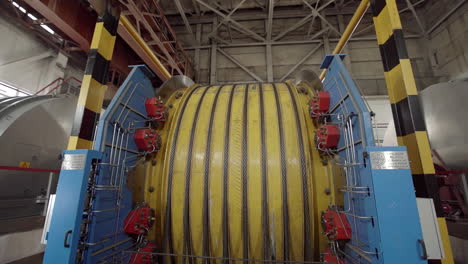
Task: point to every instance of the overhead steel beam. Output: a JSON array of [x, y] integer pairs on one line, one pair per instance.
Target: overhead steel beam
[[322, 17], [196, 7], [300, 62], [416, 16], [312, 21], [268, 47], [251, 15], [319, 33], [226, 18], [240, 65], [71, 18], [197, 53], [184, 17], [292, 42], [237, 24], [402, 10], [302, 21], [213, 57], [27, 60], [135, 10], [269, 25], [76, 22], [446, 16]]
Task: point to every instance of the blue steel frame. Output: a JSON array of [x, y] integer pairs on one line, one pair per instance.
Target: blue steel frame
[[63, 236], [97, 222], [380, 204]]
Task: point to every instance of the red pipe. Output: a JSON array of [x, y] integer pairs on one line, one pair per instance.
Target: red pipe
[[64, 82], [27, 169], [58, 85], [50, 84]]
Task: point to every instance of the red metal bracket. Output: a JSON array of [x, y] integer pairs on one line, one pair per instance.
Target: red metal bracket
[[139, 221], [147, 140], [156, 110], [319, 104], [328, 257], [144, 255], [335, 225], [327, 137]]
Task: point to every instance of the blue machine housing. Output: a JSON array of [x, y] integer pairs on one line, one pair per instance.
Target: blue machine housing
[[93, 201], [379, 197]]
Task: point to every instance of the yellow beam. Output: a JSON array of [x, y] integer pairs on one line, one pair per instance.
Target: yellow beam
[[353, 24], [94, 84], [448, 258], [148, 52]]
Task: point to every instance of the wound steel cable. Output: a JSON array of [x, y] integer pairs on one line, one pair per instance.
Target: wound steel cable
[[206, 216], [226, 178], [245, 209], [283, 176], [265, 221], [168, 215], [305, 192], [188, 176]]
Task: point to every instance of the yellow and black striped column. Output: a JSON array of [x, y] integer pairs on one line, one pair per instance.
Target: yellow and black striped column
[[94, 83], [407, 114]]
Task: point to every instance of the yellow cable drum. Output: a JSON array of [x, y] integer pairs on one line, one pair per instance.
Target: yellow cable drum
[[234, 178]]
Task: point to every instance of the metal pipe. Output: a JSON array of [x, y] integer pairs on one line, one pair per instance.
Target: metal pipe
[[128, 26], [353, 24]]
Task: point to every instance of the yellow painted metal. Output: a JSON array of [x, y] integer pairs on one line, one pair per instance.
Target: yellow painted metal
[[128, 26], [350, 28], [74, 142], [103, 41], [419, 152], [448, 255], [238, 145]]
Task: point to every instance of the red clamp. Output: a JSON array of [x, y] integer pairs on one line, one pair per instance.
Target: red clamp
[[327, 137], [144, 256], [155, 109], [328, 257], [336, 225], [319, 104], [147, 140], [139, 221]]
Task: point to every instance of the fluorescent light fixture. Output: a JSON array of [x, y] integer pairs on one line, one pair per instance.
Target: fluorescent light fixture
[[15, 4], [31, 16], [22, 9], [47, 28]]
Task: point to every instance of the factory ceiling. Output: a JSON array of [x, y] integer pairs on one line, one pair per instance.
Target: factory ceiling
[[200, 6]]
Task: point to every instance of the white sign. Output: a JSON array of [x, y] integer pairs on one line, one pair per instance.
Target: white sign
[[389, 160], [73, 161]]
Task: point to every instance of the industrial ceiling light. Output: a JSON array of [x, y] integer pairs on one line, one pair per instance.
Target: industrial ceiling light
[[48, 29], [32, 17]]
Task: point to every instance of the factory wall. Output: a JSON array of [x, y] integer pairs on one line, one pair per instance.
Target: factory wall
[[448, 43], [27, 63]]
